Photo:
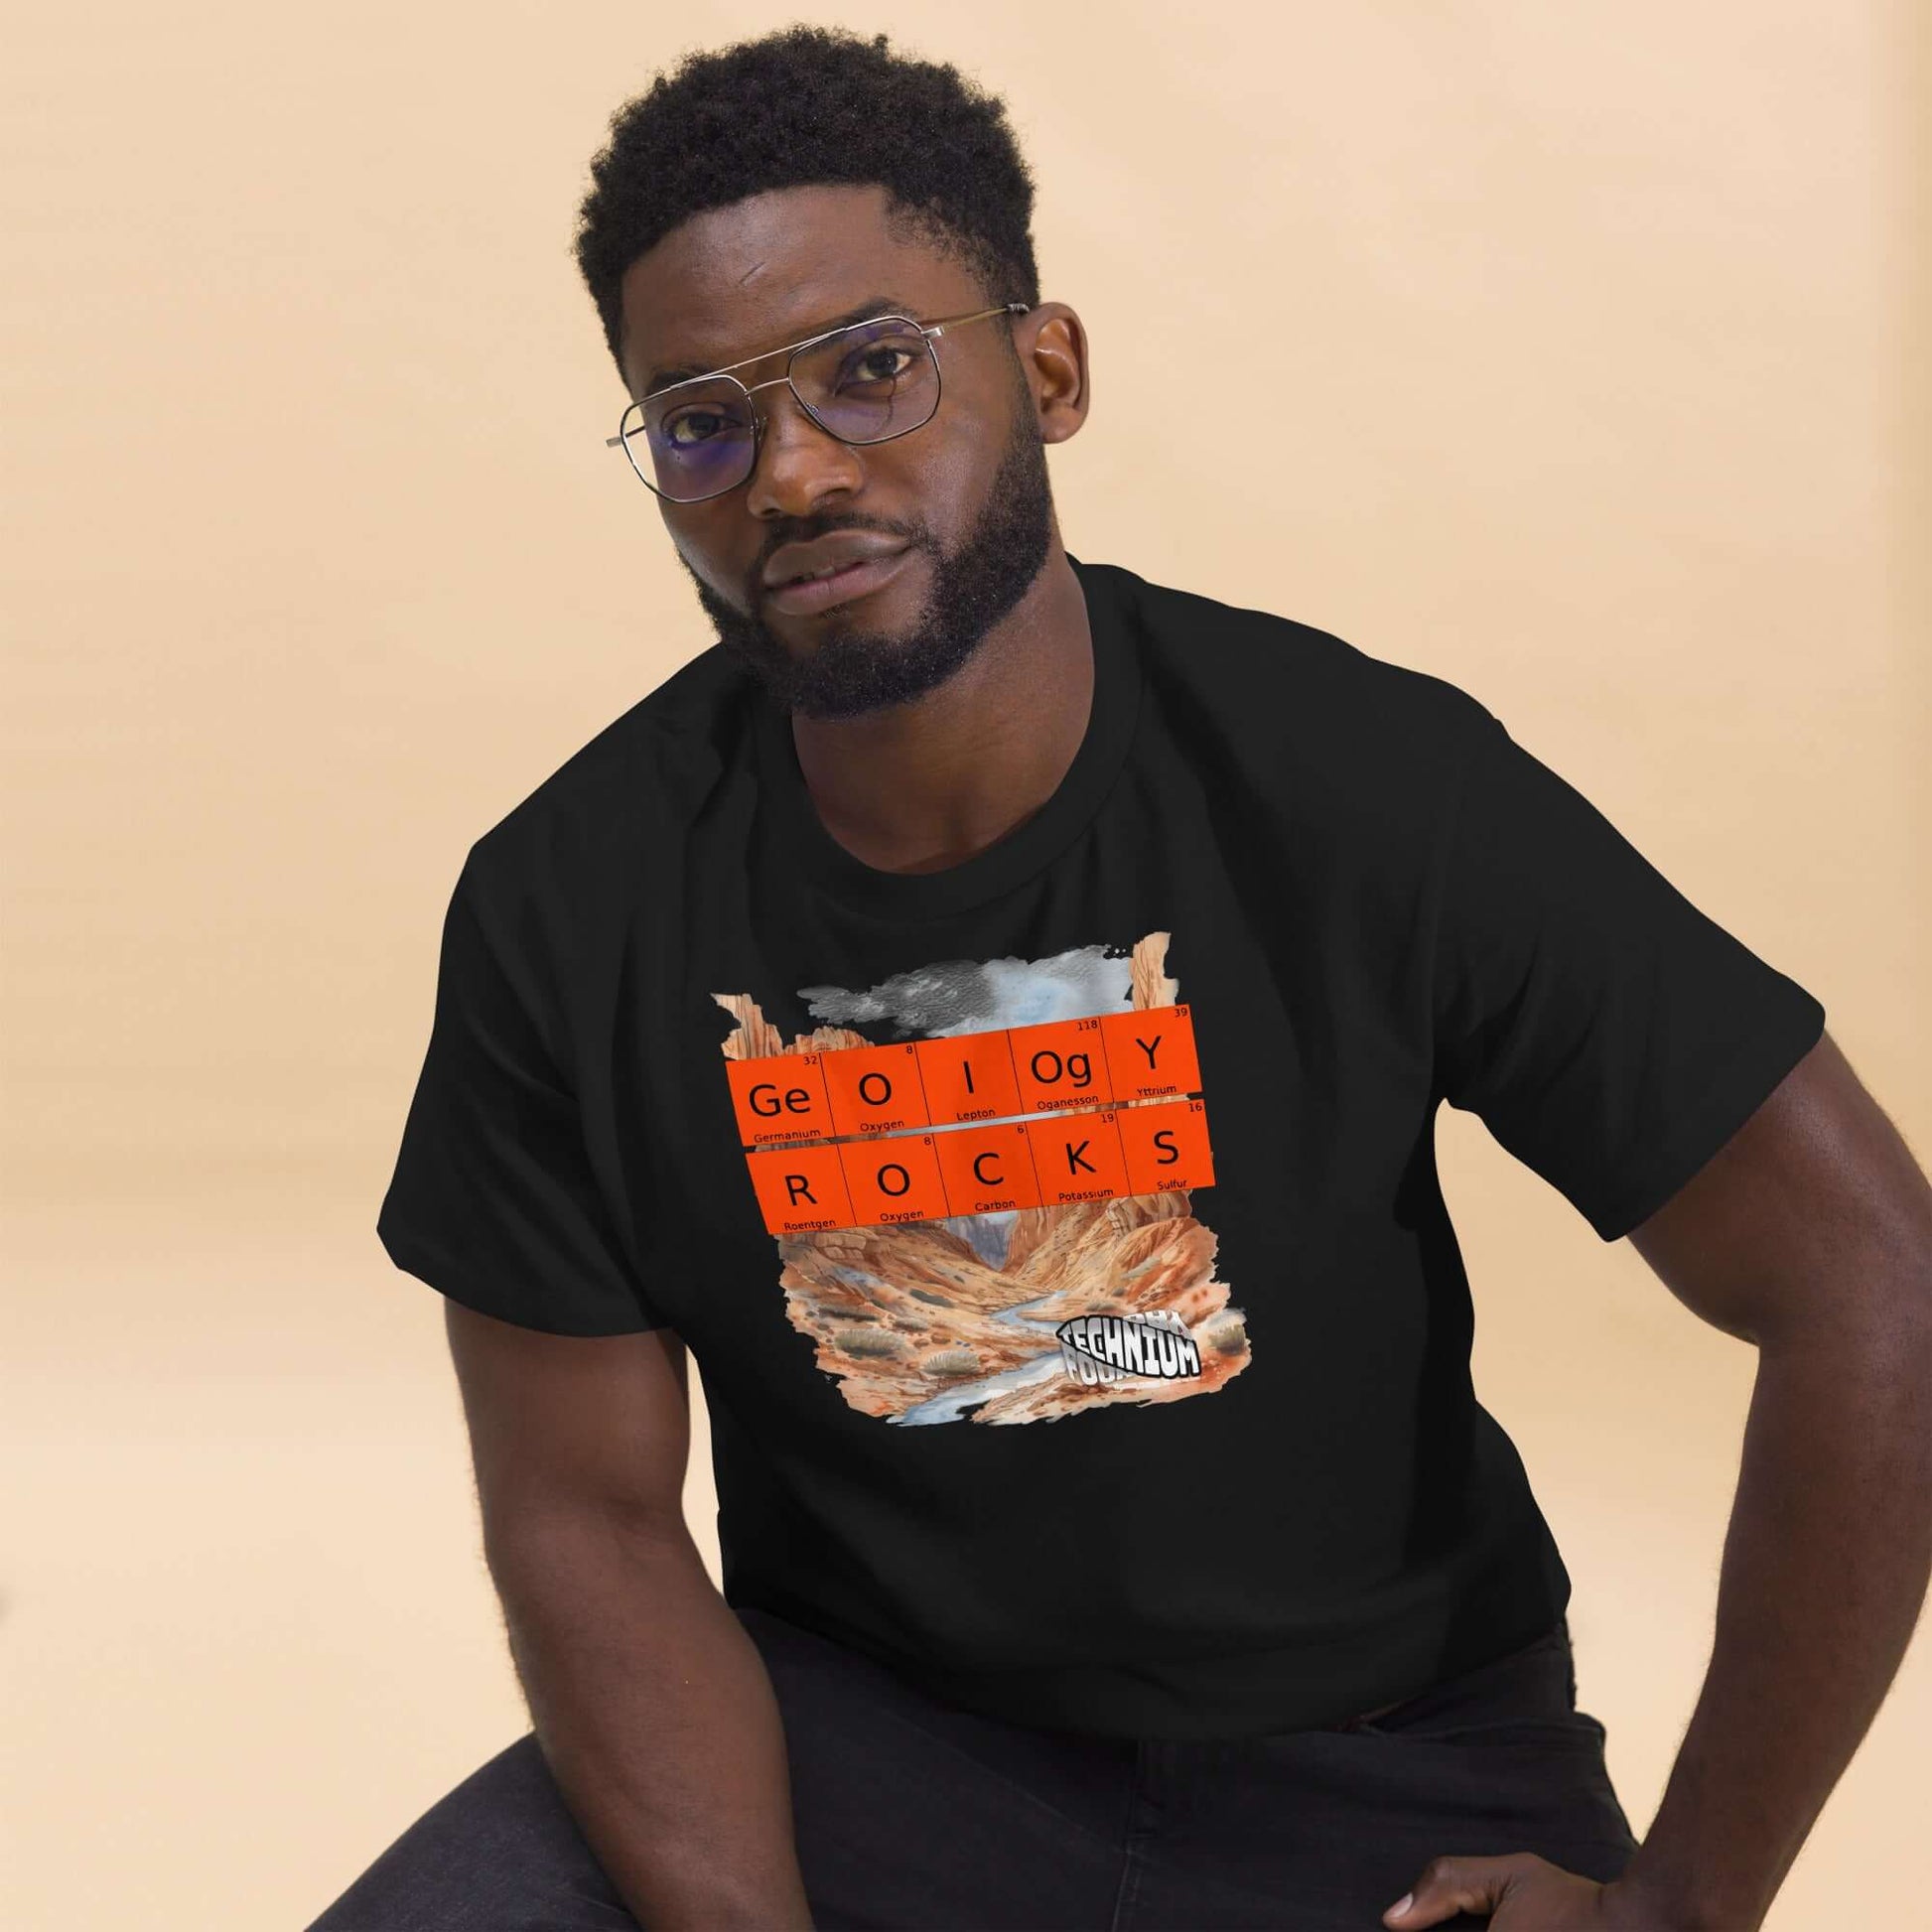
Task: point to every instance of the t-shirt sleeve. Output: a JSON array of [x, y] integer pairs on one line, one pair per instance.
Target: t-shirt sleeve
[[1608, 1033], [494, 1201]]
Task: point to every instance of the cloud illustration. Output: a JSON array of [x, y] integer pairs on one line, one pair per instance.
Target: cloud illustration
[[963, 996]]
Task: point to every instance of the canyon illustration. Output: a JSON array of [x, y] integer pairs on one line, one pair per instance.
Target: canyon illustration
[[964, 1317]]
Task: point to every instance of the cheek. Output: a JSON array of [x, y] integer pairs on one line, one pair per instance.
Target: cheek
[[947, 466], [688, 551], [708, 554], [974, 421]]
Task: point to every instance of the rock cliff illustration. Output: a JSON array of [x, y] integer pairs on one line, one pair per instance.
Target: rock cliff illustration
[[958, 1318]]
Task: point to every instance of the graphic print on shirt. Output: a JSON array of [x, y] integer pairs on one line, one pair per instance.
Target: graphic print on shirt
[[990, 1218]]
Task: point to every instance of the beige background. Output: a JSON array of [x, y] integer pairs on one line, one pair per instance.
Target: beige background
[[1581, 341]]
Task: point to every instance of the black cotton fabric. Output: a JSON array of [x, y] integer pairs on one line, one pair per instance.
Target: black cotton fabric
[[1178, 1457]]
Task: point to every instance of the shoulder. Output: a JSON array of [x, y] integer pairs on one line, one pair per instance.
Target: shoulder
[[1300, 708], [595, 820]]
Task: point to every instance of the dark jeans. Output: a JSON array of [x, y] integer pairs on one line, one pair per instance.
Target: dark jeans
[[914, 1816]]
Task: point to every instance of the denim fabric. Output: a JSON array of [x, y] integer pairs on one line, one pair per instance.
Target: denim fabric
[[914, 1816]]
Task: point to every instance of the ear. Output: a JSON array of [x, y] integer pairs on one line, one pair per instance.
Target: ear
[[1052, 348]]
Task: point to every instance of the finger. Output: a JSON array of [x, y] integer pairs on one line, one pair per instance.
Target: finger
[[1450, 1885]]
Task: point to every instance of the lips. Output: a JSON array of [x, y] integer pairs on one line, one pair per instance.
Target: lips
[[828, 553], [843, 580]]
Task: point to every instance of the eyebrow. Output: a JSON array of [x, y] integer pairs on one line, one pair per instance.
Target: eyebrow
[[879, 305]]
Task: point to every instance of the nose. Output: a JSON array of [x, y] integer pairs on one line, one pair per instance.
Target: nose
[[800, 464]]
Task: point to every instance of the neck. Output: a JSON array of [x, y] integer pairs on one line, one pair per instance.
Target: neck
[[922, 787]]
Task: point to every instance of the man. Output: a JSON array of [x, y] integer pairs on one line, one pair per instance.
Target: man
[[993, 1009]]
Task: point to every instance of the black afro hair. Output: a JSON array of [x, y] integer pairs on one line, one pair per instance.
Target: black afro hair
[[800, 107]]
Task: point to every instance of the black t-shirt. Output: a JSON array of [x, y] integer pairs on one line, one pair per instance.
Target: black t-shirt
[[1058, 1234]]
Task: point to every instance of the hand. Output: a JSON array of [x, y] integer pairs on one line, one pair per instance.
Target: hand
[[1524, 1893]]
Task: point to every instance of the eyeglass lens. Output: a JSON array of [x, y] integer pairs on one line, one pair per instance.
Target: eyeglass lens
[[864, 385]]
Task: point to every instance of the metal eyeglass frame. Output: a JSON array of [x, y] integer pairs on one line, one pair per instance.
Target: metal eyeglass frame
[[790, 352]]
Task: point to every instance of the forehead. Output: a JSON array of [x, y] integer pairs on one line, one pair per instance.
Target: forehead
[[762, 272]]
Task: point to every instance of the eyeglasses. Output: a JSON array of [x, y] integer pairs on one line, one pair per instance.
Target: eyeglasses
[[866, 382]]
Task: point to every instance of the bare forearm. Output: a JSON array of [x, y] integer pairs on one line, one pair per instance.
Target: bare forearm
[[1825, 1569], [656, 1715]]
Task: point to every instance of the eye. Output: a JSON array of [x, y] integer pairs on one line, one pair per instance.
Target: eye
[[880, 363], [691, 427]]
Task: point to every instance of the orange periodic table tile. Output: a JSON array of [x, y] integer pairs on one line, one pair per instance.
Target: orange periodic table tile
[[779, 1097], [987, 1169], [893, 1178], [801, 1189], [1165, 1146], [1059, 1063], [968, 1076], [1077, 1157], [1151, 1052], [875, 1089]]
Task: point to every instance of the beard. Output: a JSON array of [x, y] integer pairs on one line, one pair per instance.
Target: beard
[[849, 669]]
